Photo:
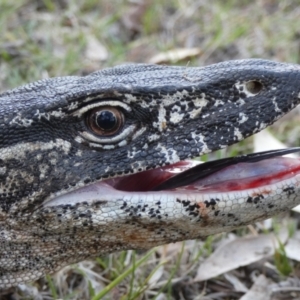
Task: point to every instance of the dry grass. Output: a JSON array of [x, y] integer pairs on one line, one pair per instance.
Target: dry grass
[[44, 38]]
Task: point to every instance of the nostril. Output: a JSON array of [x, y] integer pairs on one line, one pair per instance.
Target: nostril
[[253, 87]]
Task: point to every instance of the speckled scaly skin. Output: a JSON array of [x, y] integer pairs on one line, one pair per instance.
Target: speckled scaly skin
[[170, 114]]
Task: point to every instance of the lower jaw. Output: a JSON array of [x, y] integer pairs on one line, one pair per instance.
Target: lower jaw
[[142, 219]]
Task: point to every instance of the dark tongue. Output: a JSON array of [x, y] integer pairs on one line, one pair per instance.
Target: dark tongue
[[203, 170]]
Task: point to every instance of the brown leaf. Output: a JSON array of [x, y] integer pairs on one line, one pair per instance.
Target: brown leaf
[[260, 290], [95, 51], [240, 252], [175, 55]]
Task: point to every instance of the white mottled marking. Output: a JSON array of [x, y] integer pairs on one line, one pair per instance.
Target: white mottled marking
[[2, 170], [73, 105], [168, 100], [153, 137], [262, 126], [78, 153], [22, 122], [276, 105], [195, 113], [161, 122], [131, 153], [200, 138], [43, 168], [242, 118], [47, 115], [170, 154], [130, 98], [200, 102], [219, 103], [238, 134], [176, 117], [240, 102], [19, 150]]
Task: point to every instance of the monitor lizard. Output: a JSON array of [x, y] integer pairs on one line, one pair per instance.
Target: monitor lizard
[[80, 158]]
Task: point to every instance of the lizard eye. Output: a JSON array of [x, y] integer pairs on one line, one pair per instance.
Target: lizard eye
[[105, 120]]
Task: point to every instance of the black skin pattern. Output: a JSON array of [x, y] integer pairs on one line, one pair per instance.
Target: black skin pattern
[[171, 114]]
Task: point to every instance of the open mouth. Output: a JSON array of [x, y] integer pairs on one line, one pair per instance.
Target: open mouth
[[235, 173], [240, 173]]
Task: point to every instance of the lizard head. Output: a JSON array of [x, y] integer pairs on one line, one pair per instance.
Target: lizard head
[[65, 142]]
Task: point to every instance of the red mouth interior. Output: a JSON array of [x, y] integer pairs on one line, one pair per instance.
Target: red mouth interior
[[239, 176], [147, 180]]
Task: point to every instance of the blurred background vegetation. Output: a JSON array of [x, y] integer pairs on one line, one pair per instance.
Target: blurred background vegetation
[[44, 38]]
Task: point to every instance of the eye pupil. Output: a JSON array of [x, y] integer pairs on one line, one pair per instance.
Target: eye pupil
[[106, 120]]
